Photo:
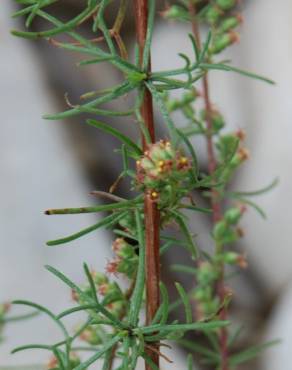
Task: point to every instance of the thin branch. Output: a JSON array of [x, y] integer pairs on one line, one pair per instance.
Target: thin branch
[[216, 206]]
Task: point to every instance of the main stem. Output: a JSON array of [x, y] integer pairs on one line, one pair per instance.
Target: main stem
[[151, 222], [216, 206]]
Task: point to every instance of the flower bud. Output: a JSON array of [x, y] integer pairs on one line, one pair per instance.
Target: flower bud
[[213, 14], [241, 156], [176, 12], [222, 41], [99, 278], [187, 98], [128, 267], [233, 258], [241, 134], [216, 118], [206, 273], [91, 335], [229, 23], [112, 266], [220, 229], [122, 248], [52, 364], [226, 4], [162, 171], [74, 361], [233, 215], [203, 293]]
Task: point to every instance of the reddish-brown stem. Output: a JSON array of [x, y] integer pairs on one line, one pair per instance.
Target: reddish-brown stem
[[152, 262], [216, 206]]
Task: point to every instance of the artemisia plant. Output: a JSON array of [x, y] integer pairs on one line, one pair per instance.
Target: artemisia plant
[[164, 172]]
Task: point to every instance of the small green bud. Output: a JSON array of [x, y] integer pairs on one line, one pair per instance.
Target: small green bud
[[222, 41], [220, 229], [99, 278], [91, 335], [241, 156], [210, 308], [217, 119], [229, 23], [233, 215], [122, 249], [213, 15], [187, 98], [128, 266], [206, 274], [233, 258], [226, 4], [176, 12], [74, 360], [227, 145], [203, 294]]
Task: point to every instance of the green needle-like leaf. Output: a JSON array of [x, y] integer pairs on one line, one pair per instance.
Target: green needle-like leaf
[[85, 296], [43, 310], [32, 346], [110, 130], [58, 30], [190, 362], [191, 246], [227, 68], [103, 223], [119, 91], [137, 296], [105, 207], [149, 33], [205, 326], [164, 305], [186, 302]]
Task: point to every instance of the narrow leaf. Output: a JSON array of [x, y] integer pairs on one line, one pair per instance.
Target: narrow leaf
[[110, 130], [186, 302]]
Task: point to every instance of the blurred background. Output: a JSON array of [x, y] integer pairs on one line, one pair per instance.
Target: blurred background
[[47, 164]]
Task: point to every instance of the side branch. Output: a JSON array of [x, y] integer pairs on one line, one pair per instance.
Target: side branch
[[216, 206]]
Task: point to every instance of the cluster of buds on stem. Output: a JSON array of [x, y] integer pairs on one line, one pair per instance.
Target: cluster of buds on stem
[[218, 15], [110, 293], [162, 171], [226, 230], [185, 104], [231, 144], [207, 303]]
